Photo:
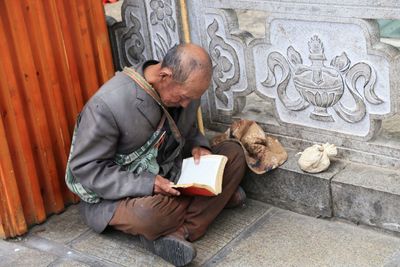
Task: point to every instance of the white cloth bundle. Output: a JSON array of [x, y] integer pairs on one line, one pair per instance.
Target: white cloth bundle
[[315, 158]]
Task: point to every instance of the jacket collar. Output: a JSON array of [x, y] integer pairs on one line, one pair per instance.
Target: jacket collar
[[147, 105]]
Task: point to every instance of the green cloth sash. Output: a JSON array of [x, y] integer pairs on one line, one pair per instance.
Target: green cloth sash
[[143, 159]]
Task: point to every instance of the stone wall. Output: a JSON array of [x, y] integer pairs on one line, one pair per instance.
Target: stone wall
[[308, 72], [319, 73]]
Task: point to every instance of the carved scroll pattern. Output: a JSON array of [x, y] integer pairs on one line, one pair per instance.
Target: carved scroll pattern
[[148, 30], [322, 86], [128, 36], [162, 17], [222, 64], [133, 43]]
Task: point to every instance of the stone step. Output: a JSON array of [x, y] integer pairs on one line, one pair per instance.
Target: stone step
[[359, 193]]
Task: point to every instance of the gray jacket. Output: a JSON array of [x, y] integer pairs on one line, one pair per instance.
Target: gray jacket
[[120, 118]]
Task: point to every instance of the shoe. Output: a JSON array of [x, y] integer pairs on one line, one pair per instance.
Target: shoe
[[237, 199], [177, 251], [181, 233]]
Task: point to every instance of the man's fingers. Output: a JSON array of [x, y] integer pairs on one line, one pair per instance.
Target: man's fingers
[[173, 192], [163, 186], [196, 153], [196, 158], [168, 190]]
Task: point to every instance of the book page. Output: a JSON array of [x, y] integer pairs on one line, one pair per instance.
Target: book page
[[203, 173]]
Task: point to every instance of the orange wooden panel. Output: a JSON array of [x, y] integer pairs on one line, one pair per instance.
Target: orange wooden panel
[[53, 56], [12, 222], [16, 128]]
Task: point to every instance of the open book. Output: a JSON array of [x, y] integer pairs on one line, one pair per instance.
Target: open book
[[204, 178]]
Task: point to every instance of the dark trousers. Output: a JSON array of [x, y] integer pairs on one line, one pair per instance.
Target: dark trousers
[[159, 215]]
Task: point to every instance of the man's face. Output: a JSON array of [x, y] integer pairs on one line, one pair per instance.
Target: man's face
[[180, 94]]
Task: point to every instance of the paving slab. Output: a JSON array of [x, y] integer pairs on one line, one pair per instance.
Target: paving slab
[[284, 238], [118, 248], [227, 227], [127, 250], [68, 263], [13, 254], [62, 228], [63, 252]]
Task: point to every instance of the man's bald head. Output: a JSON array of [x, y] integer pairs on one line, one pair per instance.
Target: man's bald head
[[187, 59]]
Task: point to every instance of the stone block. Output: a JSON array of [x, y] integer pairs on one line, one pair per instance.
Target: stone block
[[290, 188], [284, 238], [368, 195]]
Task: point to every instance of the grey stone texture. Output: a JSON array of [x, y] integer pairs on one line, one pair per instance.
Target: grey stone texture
[[290, 188], [144, 30], [227, 227], [356, 192], [118, 248], [368, 195], [127, 250], [68, 263], [14, 254], [255, 234], [288, 239], [64, 242], [262, 52], [61, 228], [257, 48]]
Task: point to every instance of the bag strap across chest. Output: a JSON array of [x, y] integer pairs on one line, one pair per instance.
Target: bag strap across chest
[[152, 92]]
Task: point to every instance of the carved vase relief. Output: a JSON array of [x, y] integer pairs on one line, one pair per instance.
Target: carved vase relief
[[323, 86]]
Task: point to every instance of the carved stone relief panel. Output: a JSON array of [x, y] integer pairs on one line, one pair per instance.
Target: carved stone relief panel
[[148, 29], [229, 80], [325, 75], [163, 26], [318, 74]]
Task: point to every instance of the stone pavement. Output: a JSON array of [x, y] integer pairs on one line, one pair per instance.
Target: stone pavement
[[256, 234]]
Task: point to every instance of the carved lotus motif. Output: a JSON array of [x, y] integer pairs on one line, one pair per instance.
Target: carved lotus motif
[[323, 93]]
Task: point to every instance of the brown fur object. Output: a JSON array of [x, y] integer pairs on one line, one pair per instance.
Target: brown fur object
[[263, 153]]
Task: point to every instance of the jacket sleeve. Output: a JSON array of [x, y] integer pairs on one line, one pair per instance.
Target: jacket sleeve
[[92, 158], [194, 137]]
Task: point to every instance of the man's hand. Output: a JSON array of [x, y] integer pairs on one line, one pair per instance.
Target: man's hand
[[199, 151], [163, 186]]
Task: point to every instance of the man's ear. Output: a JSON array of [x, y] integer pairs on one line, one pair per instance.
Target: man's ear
[[165, 73]]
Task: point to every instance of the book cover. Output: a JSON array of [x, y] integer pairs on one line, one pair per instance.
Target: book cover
[[203, 179]]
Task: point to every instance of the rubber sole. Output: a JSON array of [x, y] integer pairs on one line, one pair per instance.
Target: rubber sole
[[172, 249]]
